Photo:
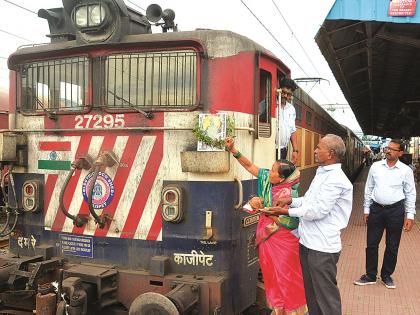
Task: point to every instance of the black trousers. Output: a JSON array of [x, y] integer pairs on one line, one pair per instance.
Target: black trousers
[[283, 153], [391, 220], [319, 271]]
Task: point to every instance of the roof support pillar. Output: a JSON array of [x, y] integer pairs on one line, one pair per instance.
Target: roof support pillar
[[368, 27]]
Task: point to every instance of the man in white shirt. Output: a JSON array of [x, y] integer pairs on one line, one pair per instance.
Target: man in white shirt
[[286, 118], [390, 197], [323, 212]]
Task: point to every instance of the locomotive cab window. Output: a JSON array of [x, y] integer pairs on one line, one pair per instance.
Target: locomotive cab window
[[264, 105], [152, 79], [55, 85]]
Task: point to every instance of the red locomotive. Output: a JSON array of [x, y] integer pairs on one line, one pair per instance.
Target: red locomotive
[[107, 195]]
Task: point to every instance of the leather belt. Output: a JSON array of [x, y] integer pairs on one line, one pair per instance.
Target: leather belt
[[393, 205]]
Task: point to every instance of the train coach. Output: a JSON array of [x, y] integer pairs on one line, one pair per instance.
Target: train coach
[[312, 122], [111, 209]]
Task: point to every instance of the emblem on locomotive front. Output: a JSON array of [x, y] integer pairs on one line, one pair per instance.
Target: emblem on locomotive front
[[53, 156], [103, 191]]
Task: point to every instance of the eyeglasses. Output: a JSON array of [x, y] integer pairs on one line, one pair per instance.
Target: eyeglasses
[[391, 149]]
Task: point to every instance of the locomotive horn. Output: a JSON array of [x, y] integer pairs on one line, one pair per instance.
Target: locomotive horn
[[168, 15], [51, 16], [154, 13]]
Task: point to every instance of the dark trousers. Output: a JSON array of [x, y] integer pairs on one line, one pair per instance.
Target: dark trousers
[[391, 220], [319, 271], [283, 153]]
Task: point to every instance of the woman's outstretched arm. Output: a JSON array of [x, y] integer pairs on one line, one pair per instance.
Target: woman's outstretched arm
[[247, 164]]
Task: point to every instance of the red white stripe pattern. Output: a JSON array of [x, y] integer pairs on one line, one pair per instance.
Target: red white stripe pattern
[[135, 207]]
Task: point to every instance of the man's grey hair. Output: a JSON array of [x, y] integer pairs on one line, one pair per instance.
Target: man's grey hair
[[336, 144]]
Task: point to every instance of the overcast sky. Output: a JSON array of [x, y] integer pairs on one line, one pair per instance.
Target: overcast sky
[[303, 16]]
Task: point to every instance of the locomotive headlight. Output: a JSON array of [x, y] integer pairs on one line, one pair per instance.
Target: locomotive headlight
[[172, 204], [90, 17], [81, 17], [96, 15]]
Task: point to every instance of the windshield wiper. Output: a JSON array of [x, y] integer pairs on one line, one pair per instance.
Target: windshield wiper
[[148, 115], [50, 115]]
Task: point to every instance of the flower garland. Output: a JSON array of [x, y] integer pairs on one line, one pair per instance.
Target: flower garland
[[202, 135]]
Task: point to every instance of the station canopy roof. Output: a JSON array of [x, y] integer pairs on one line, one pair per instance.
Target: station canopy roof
[[375, 58]]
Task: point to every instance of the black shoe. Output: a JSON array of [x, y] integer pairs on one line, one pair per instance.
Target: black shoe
[[364, 280], [388, 282]]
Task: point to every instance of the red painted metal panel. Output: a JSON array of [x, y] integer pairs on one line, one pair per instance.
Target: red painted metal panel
[[120, 179], [156, 226], [231, 83], [49, 188], [55, 145], [131, 119], [144, 189]]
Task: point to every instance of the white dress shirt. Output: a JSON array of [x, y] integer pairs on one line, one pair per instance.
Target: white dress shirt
[[285, 124], [324, 210], [387, 185]]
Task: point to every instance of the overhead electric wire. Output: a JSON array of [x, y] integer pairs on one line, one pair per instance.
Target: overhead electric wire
[[21, 7], [14, 35], [136, 5], [297, 39], [304, 50], [277, 41]]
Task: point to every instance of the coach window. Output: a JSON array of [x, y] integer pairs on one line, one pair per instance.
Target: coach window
[[153, 80], [264, 108], [56, 85], [308, 118], [298, 109], [317, 124]]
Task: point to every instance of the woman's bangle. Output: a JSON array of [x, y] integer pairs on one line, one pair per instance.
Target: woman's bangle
[[237, 155]]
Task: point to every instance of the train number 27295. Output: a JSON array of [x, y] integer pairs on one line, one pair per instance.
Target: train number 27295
[[99, 121]]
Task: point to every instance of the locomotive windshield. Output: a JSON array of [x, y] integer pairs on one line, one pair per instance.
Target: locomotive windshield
[[60, 84], [152, 79]]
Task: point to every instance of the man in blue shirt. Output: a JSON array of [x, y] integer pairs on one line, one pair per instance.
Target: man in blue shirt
[[390, 196]]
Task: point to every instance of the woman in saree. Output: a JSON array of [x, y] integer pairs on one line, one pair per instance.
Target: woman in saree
[[276, 236]]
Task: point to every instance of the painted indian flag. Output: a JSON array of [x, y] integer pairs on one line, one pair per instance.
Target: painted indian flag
[[54, 155]]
